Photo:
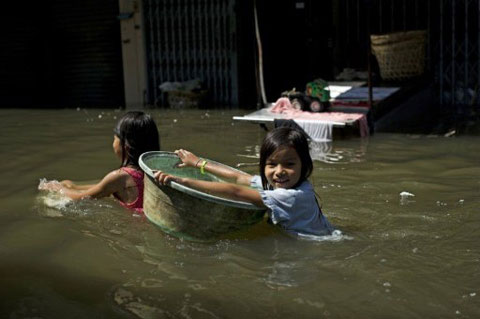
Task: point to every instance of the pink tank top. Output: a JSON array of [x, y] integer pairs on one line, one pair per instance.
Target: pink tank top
[[137, 204]]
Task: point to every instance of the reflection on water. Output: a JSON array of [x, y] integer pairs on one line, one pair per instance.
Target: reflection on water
[[328, 153], [407, 207]]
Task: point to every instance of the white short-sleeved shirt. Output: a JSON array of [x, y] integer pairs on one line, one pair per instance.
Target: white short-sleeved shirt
[[294, 209]]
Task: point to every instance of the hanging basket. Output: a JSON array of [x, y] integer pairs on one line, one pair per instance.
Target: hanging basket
[[400, 55]]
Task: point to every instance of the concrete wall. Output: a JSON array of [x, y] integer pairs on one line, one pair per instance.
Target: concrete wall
[[133, 53]]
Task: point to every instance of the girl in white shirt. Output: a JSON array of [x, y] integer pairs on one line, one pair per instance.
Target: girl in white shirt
[[282, 186]]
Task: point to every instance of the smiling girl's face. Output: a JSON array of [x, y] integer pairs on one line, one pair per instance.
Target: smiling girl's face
[[283, 168]]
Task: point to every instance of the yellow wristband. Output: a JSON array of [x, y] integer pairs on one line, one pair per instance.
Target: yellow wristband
[[202, 167]]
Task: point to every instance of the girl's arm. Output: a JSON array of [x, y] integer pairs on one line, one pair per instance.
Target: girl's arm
[[190, 159], [71, 185], [111, 183], [231, 191]]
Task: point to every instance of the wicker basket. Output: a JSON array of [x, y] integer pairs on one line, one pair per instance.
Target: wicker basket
[[400, 55], [186, 99]]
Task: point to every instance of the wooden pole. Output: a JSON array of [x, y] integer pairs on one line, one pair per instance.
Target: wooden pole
[[260, 55], [369, 60], [369, 66]]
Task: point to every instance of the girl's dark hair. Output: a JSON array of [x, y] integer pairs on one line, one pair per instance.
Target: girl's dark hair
[[290, 137], [138, 134]]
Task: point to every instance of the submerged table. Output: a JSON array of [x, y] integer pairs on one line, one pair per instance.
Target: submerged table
[[264, 116]]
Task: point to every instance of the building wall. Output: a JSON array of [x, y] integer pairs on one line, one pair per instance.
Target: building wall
[[69, 54], [200, 39], [453, 41], [307, 39], [61, 53], [133, 53]]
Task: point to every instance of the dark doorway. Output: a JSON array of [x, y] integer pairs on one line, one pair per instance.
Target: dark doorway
[[296, 40], [61, 53]]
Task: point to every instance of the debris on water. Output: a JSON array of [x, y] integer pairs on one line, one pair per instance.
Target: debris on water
[[461, 201], [406, 194], [174, 120], [405, 198], [439, 203], [450, 133]]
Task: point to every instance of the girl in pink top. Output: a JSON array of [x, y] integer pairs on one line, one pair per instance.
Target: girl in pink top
[[135, 133]]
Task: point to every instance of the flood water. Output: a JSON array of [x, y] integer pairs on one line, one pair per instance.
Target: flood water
[[408, 207]]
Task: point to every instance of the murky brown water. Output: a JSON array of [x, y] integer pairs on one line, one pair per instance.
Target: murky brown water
[[400, 257]]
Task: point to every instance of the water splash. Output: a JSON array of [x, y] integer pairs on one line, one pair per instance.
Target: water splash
[[336, 236], [53, 203]]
